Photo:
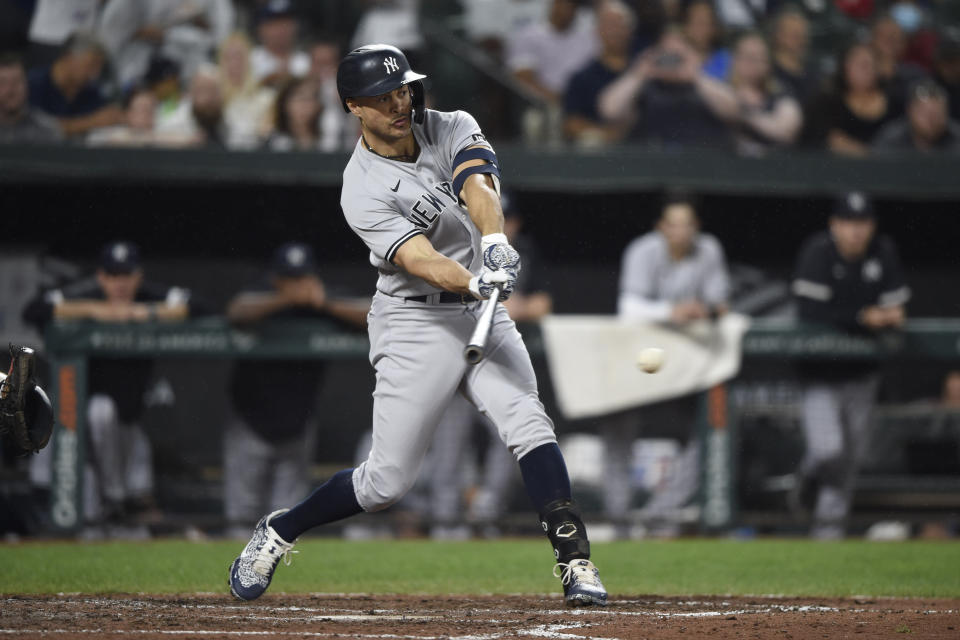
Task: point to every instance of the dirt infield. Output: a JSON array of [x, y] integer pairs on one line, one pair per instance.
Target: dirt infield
[[474, 618]]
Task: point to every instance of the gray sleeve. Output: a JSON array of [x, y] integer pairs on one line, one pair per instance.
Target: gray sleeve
[[381, 227], [637, 269], [463, 132], [716, 283]]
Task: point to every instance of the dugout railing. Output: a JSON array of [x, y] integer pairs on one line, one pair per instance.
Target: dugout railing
[[70, 345]]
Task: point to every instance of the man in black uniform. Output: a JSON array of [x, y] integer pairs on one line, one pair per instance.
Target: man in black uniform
[[849, 279], [270, 439], [120, 462]]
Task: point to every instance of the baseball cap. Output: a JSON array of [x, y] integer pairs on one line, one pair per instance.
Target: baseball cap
[[927, 90], [275, 9], [854, 205], [293, 259], [120, 257]]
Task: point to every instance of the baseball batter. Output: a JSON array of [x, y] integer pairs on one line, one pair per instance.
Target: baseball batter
[[422, 192]]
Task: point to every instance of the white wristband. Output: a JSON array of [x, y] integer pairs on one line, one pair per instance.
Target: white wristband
[[474, 287], [492, 238]]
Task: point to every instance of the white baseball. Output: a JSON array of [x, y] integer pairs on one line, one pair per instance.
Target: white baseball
[[650, 359]]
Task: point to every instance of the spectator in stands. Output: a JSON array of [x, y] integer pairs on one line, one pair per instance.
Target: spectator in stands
[[947, 72], [914, 19], [70, 89], [185, 31], [248, 107], [856, 9], [198, 120], [650, 18], [544, 55], [19, 123], [582, 122], [277, 58], [297, 117], [396, 22], [889, 44], [668, 101], [769, 117], [53, 22], [270, 439], [675, 275], [119, 485], [163, 80], [849, 117], [790, 48], [338, 131], [747, 14], [851, 280], [699, 24], [137, 127], [927, 125]]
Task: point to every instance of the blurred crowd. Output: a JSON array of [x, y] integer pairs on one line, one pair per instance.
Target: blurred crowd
[[854, 77]]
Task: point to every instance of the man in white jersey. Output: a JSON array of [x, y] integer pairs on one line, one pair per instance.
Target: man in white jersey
[[422, 192]]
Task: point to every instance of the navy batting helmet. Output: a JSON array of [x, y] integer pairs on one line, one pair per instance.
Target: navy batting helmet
[[375, 69]]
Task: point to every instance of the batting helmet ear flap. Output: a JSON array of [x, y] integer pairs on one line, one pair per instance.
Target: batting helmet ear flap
[[417, 99]]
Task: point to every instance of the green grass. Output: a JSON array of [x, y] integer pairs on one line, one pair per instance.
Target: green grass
[[787, 567]]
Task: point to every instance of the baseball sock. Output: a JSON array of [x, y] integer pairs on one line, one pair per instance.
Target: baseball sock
[[333, 500], [548, 485], [545, 475]]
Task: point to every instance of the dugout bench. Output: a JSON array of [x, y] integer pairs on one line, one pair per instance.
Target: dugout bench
[[70, 344]]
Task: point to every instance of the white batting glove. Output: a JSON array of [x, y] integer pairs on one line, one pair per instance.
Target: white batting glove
[[498, 254], [484, 285]]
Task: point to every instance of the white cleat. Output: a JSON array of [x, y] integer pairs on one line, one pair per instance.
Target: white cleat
[[251, 572], [581, 583]]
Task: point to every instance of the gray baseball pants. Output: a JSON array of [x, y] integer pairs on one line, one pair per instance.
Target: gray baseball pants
[[416, 349], [451, 445], [836, 425], [260, 476]]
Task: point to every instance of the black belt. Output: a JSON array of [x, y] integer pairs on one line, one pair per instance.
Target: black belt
[[446, 297]]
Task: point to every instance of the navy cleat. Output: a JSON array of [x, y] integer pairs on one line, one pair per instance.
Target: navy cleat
[[251, 572], [581, 583]]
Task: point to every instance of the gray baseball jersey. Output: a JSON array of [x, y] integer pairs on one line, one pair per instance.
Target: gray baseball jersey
[[387, 202], [416, 347]]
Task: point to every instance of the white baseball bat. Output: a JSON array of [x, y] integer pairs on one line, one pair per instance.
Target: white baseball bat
[[476, 347]]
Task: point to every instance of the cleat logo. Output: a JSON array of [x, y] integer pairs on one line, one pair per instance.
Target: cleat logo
[[566, 530], [391, 64], [544, 525]]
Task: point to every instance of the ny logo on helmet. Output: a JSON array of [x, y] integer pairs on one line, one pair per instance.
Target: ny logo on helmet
[[391, 64]]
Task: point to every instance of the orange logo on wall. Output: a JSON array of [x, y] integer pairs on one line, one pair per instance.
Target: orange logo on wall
[[68, 397]]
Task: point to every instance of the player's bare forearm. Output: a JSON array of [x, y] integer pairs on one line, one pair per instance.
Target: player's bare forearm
[[170, 312], [104, 117], [350, 311], [418, 257], [252, 307], [79, 309], [529, 308], [483, 204]]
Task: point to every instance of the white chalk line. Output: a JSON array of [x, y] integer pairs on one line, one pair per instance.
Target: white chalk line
[[233, 632], [552, 631], [370, 613]]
